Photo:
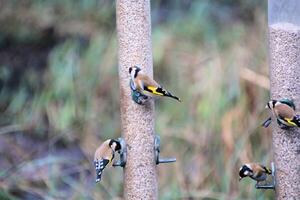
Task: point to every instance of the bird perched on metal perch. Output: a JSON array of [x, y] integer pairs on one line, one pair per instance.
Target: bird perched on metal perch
[[284, 111], [144, 87], [255, 171], [104, 155]]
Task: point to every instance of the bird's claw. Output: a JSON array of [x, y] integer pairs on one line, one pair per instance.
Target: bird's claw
[[137, 97]]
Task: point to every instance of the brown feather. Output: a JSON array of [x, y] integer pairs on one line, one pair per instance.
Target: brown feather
[[103, 151], [142, 80], [146, 80], [258, 170], [284, 111]]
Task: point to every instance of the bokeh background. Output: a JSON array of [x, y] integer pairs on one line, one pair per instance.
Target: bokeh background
[[60, 98]]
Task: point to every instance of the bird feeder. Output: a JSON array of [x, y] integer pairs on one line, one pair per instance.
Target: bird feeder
[[284, 52]]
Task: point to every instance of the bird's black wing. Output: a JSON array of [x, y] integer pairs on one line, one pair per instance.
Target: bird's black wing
[[99, 167], [160, 91]]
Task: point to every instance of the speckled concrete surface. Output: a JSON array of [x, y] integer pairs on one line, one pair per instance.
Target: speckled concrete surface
[[285, 83], [134, 38]]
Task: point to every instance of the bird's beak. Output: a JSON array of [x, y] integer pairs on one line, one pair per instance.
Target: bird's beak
[[240, 178], [266, 106]]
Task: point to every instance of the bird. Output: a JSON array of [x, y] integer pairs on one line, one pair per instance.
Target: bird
[[146, 85], [268, 121], [284, 111], [255, 171], [104, 155]]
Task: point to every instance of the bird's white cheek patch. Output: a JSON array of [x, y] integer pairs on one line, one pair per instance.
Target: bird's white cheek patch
[[246, 173]]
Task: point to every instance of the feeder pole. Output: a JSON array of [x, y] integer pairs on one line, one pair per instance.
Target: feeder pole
[[134, 40], [284, 52]]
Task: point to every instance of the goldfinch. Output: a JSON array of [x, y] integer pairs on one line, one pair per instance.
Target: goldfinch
[[284, 111], [147, 86], [255, 171], [268, 121], [104, 155]]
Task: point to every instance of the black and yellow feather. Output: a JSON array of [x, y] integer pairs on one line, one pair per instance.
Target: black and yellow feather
[[160, 91]]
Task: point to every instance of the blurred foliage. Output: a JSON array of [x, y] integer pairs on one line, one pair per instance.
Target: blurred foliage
[[60, 99]]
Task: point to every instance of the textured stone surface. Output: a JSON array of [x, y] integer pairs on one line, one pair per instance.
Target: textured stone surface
[[134, 38], [285, 83]]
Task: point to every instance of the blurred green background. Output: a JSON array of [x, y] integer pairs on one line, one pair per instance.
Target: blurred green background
[[60, 99]]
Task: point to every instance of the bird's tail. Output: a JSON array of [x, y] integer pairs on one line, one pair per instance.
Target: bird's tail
[[296, 120], [167, 93], [99, 166], [98, 175]]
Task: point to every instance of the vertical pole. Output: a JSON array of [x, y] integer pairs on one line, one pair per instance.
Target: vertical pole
[[285, 83], [134, 38]]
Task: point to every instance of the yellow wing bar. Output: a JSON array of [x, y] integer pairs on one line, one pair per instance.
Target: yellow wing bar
[[153, 90], [290, 121]]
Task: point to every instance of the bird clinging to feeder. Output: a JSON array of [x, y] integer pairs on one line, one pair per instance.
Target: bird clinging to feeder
[[284, 111], [147, 86], [255, 171], [104, 155]]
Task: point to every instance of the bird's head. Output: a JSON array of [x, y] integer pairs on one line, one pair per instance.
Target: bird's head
[[245, 171], [133, 71], [271, 104], [115, 145]]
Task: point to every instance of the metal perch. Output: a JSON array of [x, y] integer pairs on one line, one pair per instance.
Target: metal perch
[[157, 151], [122, 154], [268, 185]]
